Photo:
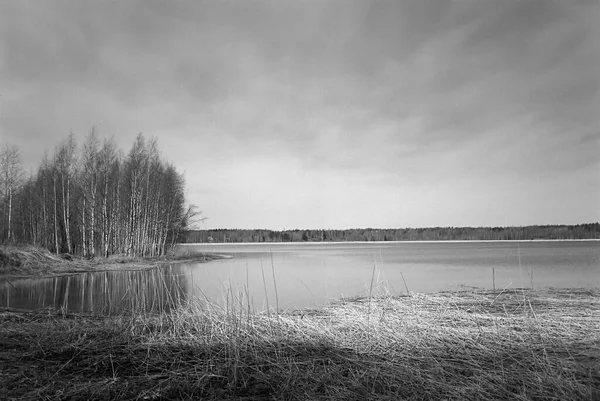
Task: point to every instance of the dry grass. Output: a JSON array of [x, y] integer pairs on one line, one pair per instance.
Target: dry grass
[[519, 345], [30, 261], [25, 259]]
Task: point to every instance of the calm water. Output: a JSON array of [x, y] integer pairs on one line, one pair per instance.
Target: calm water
[[312, 274]]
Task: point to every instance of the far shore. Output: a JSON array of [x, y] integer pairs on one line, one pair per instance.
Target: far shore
[[24, 262], [388, 242]]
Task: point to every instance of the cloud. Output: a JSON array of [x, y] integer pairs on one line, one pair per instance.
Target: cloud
[[374, 99]]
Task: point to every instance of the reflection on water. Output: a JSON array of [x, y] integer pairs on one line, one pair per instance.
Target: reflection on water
[[109, 292], [291, 276]]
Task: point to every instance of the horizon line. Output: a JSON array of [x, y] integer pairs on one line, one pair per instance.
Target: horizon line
[[394, 228]]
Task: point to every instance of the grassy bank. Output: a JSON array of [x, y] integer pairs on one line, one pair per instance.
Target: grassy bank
[[30, 261], [542, 345]]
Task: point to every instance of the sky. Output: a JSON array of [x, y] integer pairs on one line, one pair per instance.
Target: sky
[[325, 114]]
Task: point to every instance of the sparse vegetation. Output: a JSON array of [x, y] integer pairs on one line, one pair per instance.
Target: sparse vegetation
[[28, 261], [519, 344]]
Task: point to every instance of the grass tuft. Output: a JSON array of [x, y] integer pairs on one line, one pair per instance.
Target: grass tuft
[[520, 344], [24, 259]]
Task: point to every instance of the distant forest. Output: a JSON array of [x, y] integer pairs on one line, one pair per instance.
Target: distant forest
[[97, 200], [580, 231], [94, 199]]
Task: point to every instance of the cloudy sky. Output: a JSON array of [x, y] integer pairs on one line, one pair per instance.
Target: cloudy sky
[[318, 113]]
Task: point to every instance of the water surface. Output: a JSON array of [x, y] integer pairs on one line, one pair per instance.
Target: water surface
[[300, 275]]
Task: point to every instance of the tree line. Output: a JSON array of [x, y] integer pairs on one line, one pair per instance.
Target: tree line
[[580, 231], [94, 199]]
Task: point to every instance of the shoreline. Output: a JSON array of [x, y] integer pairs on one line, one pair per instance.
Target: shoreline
[[383, 242], [31, 262], [520, 344]]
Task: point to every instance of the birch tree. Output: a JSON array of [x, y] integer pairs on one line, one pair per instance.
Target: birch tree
[[90, 172], [65, 165], [11, 175], [108, 168], [95, 200]]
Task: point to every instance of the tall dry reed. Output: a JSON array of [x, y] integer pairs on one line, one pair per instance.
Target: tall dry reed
[[519, 344]]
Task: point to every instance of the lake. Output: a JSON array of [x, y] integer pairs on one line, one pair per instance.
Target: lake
[[301, 275]]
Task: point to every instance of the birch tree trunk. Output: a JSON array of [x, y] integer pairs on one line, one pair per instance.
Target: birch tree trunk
[[55, 217], [83, 230], [11, 176]]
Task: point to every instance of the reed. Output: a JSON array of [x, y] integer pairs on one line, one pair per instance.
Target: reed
[[370, 297], [405, 285], [274, 284], [518, 344], [265, 288]]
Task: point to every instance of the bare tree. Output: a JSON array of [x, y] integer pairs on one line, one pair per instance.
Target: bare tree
[[65, 163], [109, 165], [11, 176], [106, 203], [189, 220], [90, 171]]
